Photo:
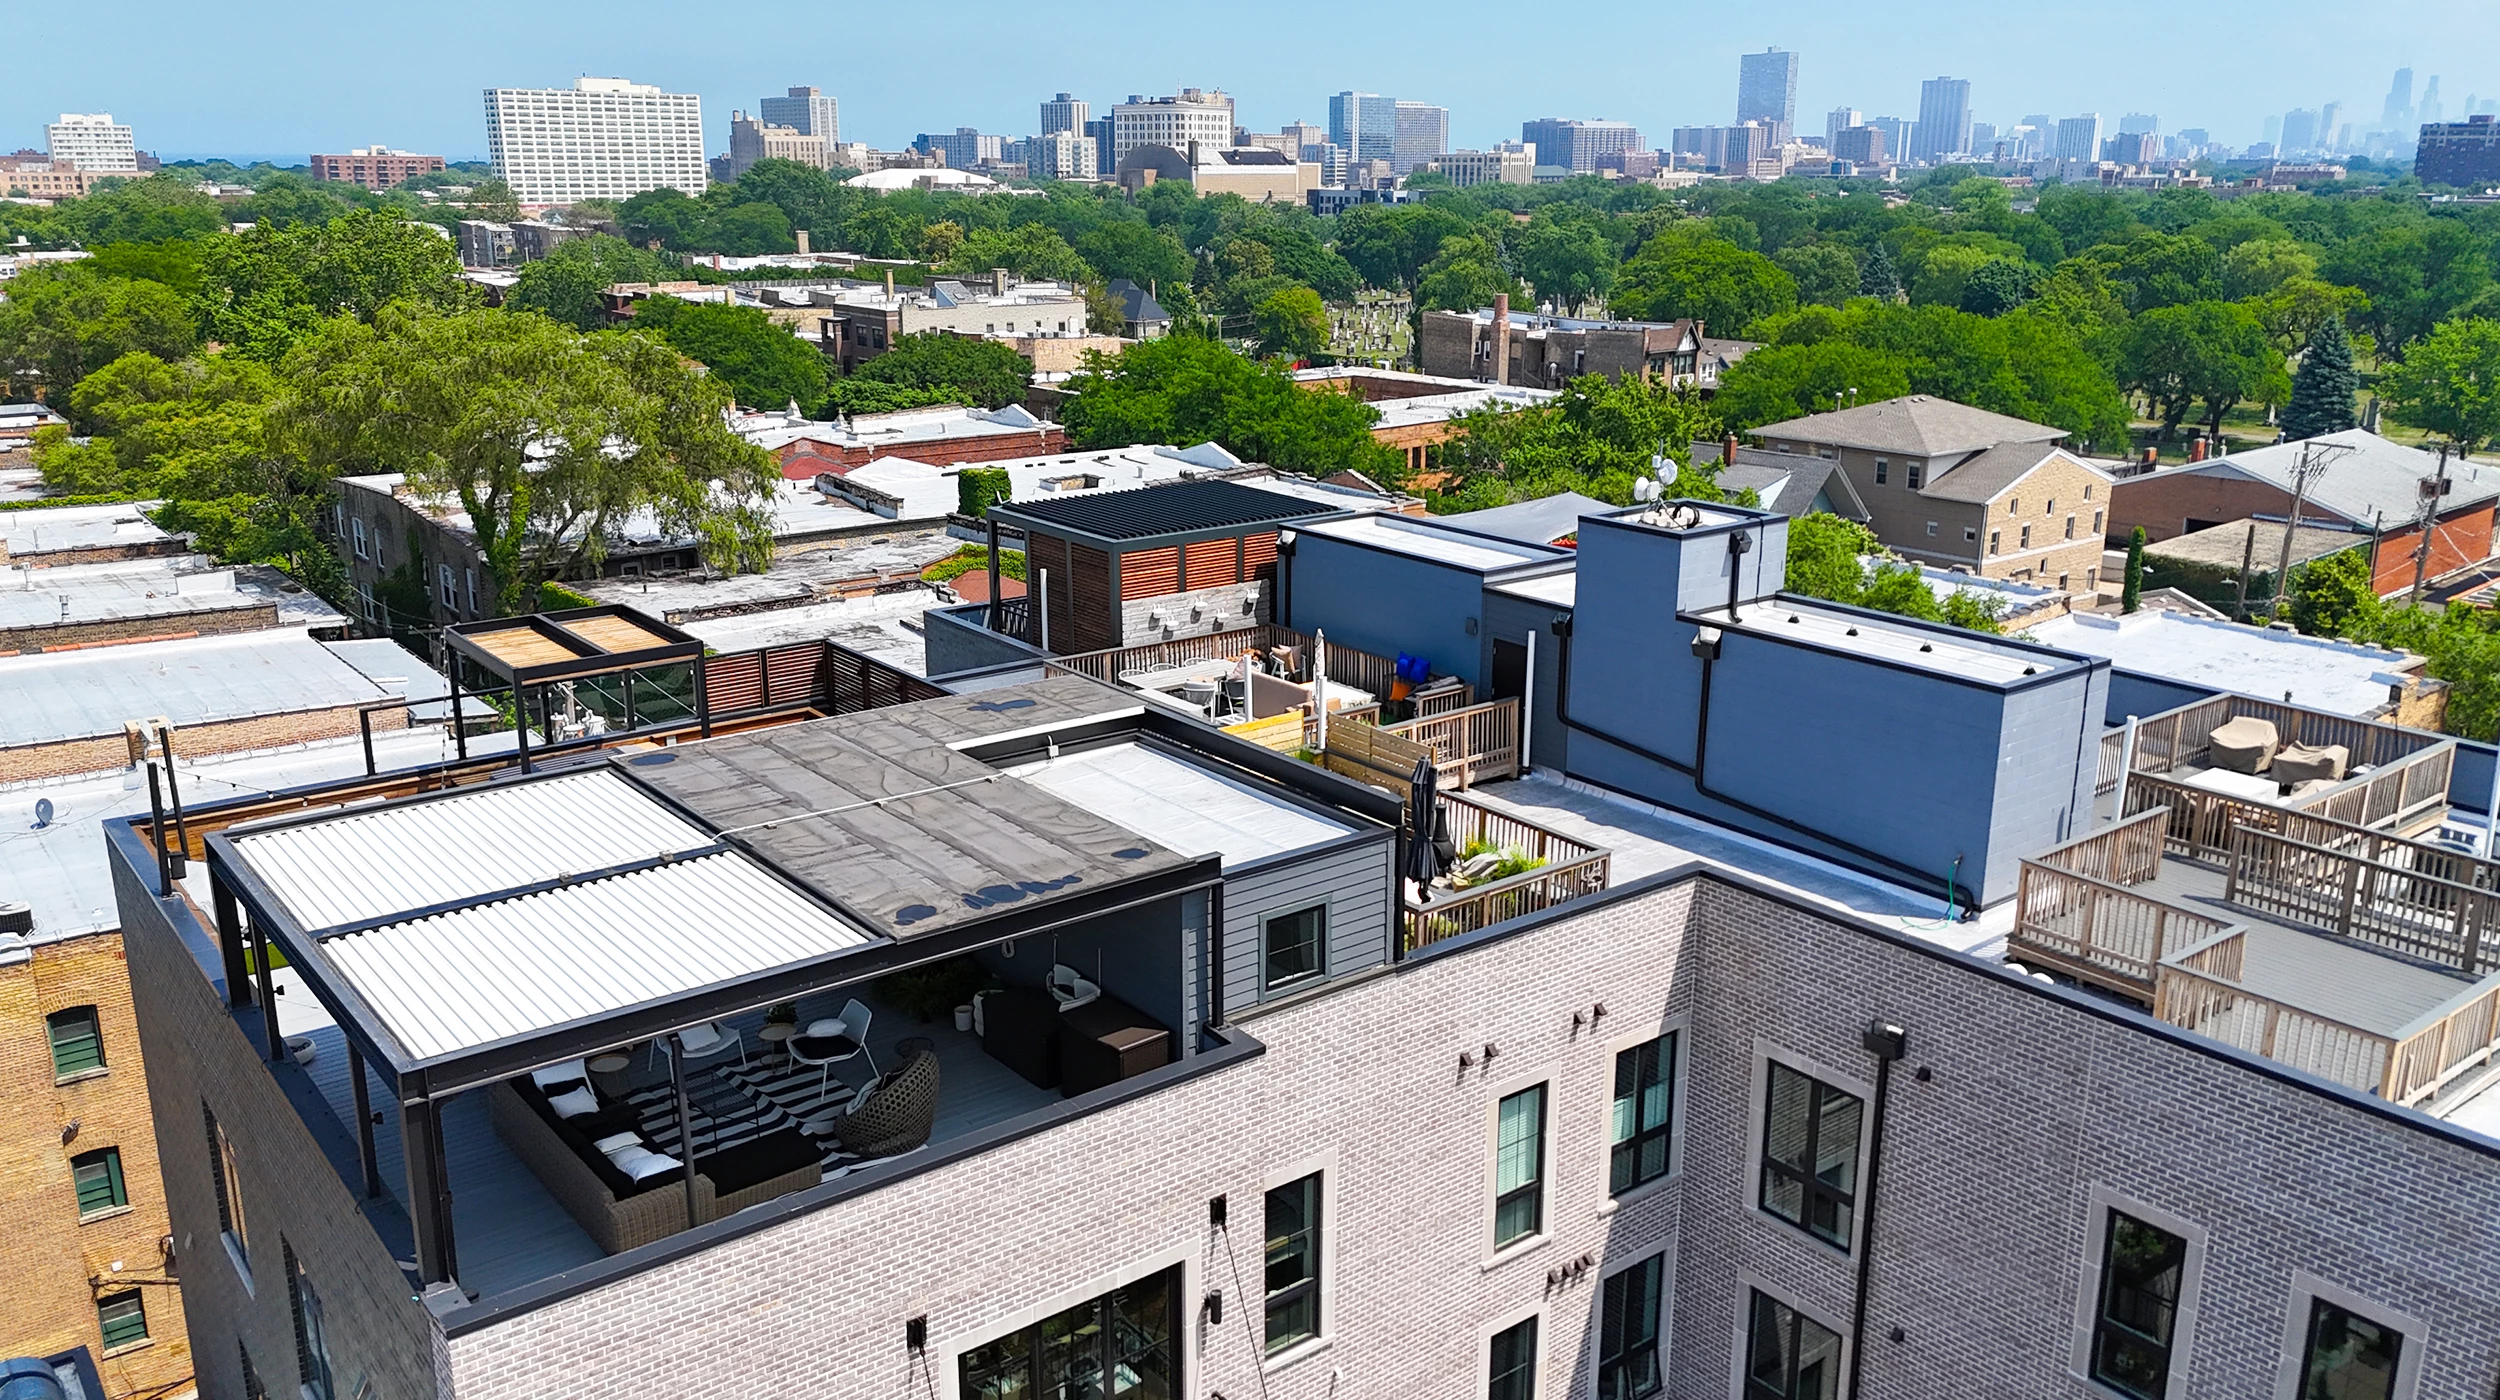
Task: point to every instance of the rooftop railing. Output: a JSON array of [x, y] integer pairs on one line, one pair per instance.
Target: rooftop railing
[[2183, 737], [1569, 870]]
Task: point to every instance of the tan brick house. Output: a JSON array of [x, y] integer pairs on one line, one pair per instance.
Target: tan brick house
[[1960, 487]]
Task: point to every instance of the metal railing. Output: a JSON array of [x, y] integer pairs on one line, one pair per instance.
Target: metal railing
[[1572, 870]]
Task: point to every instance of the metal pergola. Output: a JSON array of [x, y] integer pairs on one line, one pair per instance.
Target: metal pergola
[[530, 653]]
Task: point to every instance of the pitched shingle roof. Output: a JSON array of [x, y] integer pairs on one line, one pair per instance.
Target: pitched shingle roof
[[1980, 478], [1917, 425], [2376, 482]]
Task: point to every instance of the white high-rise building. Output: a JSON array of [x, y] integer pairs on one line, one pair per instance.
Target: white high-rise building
[[1066, 112], [1423, 131], [805, 110], [2079, 138], [602, 138], [1060, 155], [91, 141], [1839, 120], [1175, 121]]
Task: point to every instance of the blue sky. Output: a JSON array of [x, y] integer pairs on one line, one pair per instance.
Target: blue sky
[[291, 76]]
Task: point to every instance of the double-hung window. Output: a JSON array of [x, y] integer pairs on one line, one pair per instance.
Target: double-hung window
[[77, 1041], [1519, 1166], [1293, 1259], [312, 1341], [1627, 1332], [1511, 1373], [1810, 1154], [123, 1318], [1883, 471], [228, 1178], [1788, 1355], [97, 1176], [1917, 474], [1642, 1130], [2135, 1322]]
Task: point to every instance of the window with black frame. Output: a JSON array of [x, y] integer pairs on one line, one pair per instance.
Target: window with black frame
[[1297, 947], [1119, 1346], [1293, 1226], [1519, 1166], [1512, 1371], [1810, 1154], [312, 1338], [2135, 1324], [1627, 1332], [1644, 1114], [1788, 1355], [229, 1182], [2347, 1356]]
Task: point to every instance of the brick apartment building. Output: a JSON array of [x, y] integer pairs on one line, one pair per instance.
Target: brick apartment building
[[2465, 154], [1752, 1124], [2384, 493], [375, 167], [1959, 487], [1418, 412], [1541, 352]]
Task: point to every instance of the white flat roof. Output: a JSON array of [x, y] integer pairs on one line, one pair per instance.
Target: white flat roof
[[1901, 645], [491, 972], [411, 855], [885, 626], [1562, 590], [48, 697], [1179, 805], [2341, 678], [46, 528], [1425, 542]]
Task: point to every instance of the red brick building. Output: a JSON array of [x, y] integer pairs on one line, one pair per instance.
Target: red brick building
[[375, 167], [939, 436], [2368, 485]]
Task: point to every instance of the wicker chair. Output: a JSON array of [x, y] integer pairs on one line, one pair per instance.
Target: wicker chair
[[897, 1115]]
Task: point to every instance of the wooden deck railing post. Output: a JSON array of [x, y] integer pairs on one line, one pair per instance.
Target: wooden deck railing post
[[2352, 895], [2274, 1018], [2161, 930]]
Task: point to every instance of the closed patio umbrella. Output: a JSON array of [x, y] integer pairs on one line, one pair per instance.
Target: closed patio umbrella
[[1428, 849]]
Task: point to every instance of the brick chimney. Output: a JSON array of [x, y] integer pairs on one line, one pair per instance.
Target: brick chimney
[[1727, 450], [998, 281], [1501, 337], [802, 236], [2196, 450], [889, 284]]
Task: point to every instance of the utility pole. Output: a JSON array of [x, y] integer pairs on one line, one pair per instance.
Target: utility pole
[[2248, 556], [2423, 519], [2314, 456]]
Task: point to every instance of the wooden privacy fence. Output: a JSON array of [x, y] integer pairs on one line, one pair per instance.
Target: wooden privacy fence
[[1346, 666], [2419, 915], [831, 678], [1282, 733], [2098, 932], [1372, 755], [1572, 870]]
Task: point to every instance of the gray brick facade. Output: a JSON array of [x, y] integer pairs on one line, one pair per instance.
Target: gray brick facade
[[2031, 1098]]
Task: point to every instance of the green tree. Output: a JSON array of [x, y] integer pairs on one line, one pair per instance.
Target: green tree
[[2131, 592], [1826, 274], [2257, 267], [493, 200], [547, 438], [1996, 287], [2449, 383], [1706, 278], [806, 196], [571, 283], [2329, 594], [1465, 274], [1780, 382], [63, 322], [1945, 271], [983, 373], [1567, 260], [746, 231], [1841, 561], [761, 362], [2159, 269], [1596, 437], [1147, 256], [264, 290], [2323, 387], [1876, 276], [2416, 275], [1292, 323], [672, 219], [2211, 351], [1031, 251], [1187, 389]]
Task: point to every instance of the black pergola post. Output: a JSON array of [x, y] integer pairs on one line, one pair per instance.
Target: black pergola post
[[702, 697], [229, 916], [629, 701], [685, 1122], [521, 724], [994, 608], [429, 1194], [268, 994], [364, 1122], [459, 731]]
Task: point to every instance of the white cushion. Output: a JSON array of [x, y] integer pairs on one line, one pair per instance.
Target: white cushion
[[570, 1072], [641, 1163], [575, 1104], [617, 1142], [829, 1027], [698, 1039]]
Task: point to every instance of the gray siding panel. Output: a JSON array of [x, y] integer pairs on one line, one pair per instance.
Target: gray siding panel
[[1353, 883]]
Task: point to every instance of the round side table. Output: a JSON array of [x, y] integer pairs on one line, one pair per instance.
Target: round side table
[[610, 1074], [776, 1038]]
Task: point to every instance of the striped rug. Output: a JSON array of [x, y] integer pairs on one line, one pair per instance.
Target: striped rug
[[730, 1104]]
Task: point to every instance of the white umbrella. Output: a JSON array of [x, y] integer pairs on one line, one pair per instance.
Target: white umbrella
[[1319, 685]]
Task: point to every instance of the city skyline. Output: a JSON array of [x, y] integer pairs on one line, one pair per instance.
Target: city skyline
[[282, 102]]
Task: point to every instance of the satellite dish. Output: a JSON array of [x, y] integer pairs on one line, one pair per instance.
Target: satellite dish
[[43, 813]]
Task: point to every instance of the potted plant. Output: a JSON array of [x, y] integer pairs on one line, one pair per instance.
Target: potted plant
[[926, 993]]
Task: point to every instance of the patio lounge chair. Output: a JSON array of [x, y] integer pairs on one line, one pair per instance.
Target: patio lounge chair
[[895, 1115]]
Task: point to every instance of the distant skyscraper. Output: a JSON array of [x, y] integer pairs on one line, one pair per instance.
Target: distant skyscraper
[[91, 141], [1364, 125], [1576, 145], [1898, 133], [2330, 121], [804, 110], [2300, 130], [2430, 109], [2136, 123], [1205, 117], [1065, 113], [1105, 164], [2079, 138], [2399, 100], [601, 138], [1840, 120], [1422, 132], [1943, 119], [1766, 88], [2273, 132]]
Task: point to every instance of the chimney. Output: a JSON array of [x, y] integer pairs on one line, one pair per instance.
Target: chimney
[[998, 281], [2152, 456], [1501, 337], [802, 235], [889, 284], [1727, 450], [716, 262], [2196, 450]]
